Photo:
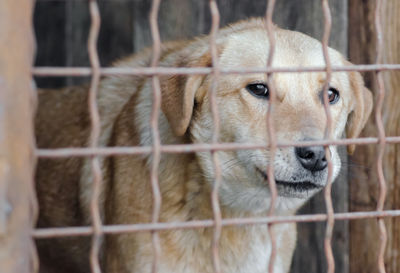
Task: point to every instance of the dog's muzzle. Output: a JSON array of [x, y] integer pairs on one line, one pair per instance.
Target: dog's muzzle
[[312, 158], [298, 189]]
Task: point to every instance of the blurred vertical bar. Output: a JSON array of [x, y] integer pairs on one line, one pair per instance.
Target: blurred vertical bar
[[271, 131], [17, 104], [215, 21], [155, 133], [94, 135]]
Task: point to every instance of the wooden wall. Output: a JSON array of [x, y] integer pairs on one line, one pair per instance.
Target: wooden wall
[[62, 29], [364, 186]]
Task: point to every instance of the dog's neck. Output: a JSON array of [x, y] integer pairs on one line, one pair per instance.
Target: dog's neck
[[193, 192], [191, 200]]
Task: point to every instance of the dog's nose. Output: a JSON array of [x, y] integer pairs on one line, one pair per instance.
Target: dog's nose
[[312, 158]]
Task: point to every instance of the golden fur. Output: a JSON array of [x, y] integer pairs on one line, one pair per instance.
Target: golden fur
[[64, 185]]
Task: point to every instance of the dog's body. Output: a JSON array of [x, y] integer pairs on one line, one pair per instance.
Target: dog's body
[[64, 185]]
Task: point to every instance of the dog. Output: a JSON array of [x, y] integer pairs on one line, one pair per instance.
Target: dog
[[186, 180]]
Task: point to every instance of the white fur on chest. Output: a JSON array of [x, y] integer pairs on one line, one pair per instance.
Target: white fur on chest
[[255, 257], [252, 257], [256, 260]]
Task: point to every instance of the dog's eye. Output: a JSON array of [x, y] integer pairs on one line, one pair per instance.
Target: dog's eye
[[260, 90], [333, 95]]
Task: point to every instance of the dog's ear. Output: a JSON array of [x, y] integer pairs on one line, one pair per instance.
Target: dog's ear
[[362, 108], [178, 95]]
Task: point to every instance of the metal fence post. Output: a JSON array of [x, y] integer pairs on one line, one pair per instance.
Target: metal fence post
[[17, 100]]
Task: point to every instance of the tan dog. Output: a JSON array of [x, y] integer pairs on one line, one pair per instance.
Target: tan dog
[[64, 185]]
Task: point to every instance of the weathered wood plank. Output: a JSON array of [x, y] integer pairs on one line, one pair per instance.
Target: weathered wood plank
[[16, 137], [364, 188]]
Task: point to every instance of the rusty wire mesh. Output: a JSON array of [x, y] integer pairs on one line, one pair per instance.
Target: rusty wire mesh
[[94, 152]]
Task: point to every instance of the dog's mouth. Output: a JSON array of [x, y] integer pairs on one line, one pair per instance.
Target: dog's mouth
[[285, 187]]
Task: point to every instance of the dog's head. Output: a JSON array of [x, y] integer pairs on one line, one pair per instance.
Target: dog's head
[[243, 102]]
